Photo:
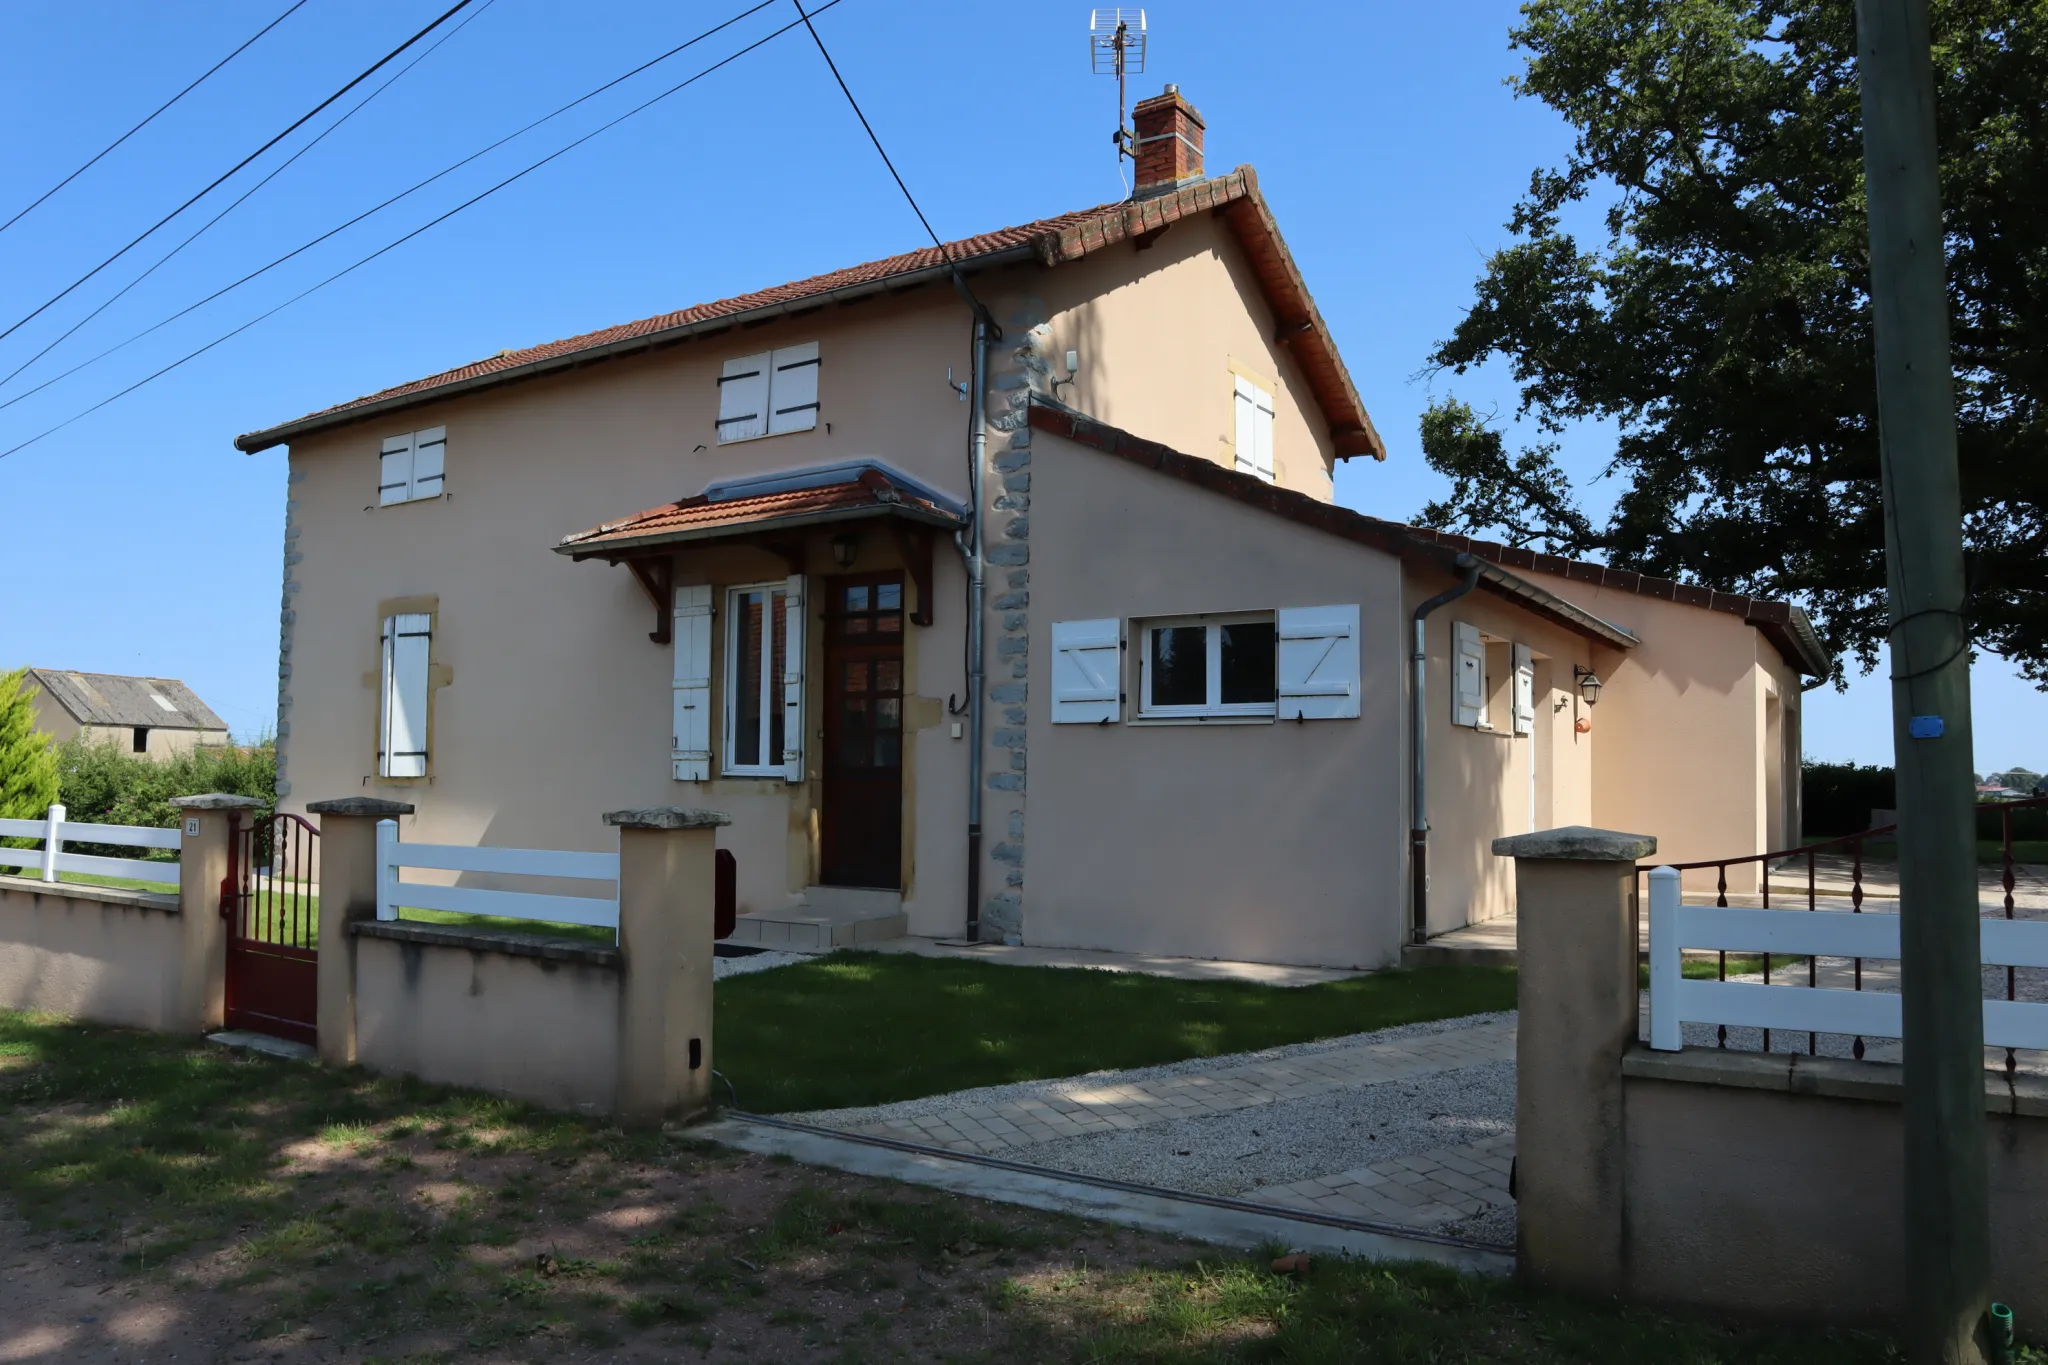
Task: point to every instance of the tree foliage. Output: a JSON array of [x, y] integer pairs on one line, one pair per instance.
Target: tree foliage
[[1723, 321], [105, 785], [28, 767]]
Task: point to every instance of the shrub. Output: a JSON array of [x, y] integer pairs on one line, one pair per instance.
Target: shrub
[[28, 767], [105, 785], [1837, 798]]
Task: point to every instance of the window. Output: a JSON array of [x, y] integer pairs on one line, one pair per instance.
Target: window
[[402, 724], [141, 739], [1254, 407], [410, 467], [769, 394], [1209, 666], [1494, 687], [764, 680]]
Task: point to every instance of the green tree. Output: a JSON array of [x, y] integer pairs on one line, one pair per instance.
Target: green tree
[[1722, 319], [28, 765]]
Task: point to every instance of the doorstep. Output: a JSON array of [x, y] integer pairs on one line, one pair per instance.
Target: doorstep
[[831, 917], [1490, 943]]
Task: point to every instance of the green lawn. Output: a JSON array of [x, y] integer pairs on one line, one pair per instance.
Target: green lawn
[[265, 1208], [118, 883], [1990, 852], [869, 1028]]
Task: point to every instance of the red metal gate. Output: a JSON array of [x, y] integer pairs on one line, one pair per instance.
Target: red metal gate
[[273, 917]]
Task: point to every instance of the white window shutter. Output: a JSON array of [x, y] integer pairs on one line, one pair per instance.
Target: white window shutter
[[793, 389], [690, 745], [1525, 691], [394, 470], [1262, 436], [743, 398], [793, 683], [428, 449], [1468, 661], [1246, 410], [1087, 671], [408, 651], [1319, 667]]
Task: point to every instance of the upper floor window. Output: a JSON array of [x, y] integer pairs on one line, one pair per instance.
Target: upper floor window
[[410, 466], [1254, 407], [769, 394]]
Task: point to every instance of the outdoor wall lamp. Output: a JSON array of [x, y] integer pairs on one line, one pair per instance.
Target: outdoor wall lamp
[[1589, 684], [844, 547]]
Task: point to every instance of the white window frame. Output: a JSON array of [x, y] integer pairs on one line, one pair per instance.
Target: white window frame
[[1213, 709], [771, 683], [795, 370], [424, 457]]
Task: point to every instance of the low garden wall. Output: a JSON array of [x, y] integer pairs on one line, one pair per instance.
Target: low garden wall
[[622, 1030], [124, 957], [516, 1014], [1760, 1184], [92, 953]]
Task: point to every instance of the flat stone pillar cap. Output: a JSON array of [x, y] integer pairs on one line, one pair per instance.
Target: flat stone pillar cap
[[359, 805], [219, 801], [667, 817], [1580, 843]]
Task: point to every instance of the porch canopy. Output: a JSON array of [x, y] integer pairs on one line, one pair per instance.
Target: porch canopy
[[775, 511]]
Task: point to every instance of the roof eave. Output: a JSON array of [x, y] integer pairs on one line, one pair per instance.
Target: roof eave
[[618, 549], [255, 441], [1514, 586]]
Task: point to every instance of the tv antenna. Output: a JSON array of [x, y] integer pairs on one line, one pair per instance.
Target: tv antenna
[[1116, 47]]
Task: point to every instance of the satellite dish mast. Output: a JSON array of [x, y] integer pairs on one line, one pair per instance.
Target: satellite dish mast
[[1116, 47]]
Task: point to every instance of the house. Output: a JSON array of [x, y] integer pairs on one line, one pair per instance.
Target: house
[[1077, 650], [152, 716]]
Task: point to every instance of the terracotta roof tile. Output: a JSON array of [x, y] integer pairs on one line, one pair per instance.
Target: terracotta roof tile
[[702, 517], [1053, 241]]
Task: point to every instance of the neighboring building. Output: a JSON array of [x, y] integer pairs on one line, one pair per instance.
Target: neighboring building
[[152, 716], [1195, 713]]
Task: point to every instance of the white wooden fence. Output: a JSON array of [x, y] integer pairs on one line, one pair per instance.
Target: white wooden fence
[[1676, 928], [392, 892], [55, 831]]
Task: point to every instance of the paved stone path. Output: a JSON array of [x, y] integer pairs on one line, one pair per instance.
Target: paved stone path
[[1426, 1190], [1420, 1190]]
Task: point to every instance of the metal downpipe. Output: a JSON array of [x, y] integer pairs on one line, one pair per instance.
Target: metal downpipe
[[1418, 729], [977, 593]]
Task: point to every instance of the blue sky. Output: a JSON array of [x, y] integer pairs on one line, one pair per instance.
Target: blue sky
[[139, 540]]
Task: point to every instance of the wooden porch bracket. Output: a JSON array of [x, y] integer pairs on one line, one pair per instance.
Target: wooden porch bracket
[[916, 549], [658, 576]]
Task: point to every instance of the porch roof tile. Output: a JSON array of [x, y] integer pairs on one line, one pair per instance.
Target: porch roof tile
[[869, 492]]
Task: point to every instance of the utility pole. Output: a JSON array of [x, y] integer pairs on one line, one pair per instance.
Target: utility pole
[[1948, 1242]]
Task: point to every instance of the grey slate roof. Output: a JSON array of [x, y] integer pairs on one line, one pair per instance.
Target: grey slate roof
[[115, 699]]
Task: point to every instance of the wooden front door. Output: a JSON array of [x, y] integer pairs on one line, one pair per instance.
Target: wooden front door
[[862, 820]]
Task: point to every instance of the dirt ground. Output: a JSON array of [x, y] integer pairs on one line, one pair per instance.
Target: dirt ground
[[405, 1251]]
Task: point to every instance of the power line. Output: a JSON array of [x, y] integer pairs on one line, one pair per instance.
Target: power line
[[379, 208], [243, 198], [868, 126], [151, 119], [431, 223], [296, 125]]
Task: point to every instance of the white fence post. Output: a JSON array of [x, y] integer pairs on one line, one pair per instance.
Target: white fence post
[[387, 869], [1667, 960], [53, 840]]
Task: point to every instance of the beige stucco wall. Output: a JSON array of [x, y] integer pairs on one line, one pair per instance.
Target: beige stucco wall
[[1479, 784], [1784, 1205], [539, 1030], [553, 705], [115, 957], [1162, 331], [1679, 732], [1278, 842]]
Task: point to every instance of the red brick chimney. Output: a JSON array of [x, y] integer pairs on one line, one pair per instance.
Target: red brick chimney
[[1168, 143]]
